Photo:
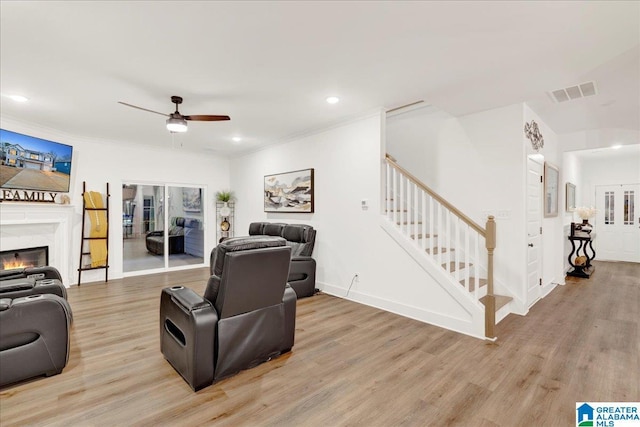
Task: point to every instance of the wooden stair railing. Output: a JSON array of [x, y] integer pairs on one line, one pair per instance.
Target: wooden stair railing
[[445, 233]]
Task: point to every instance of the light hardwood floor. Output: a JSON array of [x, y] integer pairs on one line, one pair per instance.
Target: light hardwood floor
[[351, 364]]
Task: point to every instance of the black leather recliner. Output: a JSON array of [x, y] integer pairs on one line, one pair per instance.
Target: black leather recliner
[[35, 319], [247, 315], [155, 239], [301, 238], [38, 273], [24, 282]]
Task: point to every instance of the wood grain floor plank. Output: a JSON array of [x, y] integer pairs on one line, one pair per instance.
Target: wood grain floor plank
[[352, 365]]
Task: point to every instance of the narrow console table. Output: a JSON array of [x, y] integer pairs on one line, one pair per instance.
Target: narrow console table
[[585, 241]]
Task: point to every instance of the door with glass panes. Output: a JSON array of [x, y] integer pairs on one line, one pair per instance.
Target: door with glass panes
[[617, 224]]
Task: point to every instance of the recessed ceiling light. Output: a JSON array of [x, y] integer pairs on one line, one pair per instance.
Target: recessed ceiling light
[[616, 146], [333, 99], [19, 98], [236, 139]]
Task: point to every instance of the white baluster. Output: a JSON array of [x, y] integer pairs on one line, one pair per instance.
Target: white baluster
[[466, 256], [396, 195], [408, 206], [440, 234], [476, 259], [424, 220], [432, 220], [456, 245], [416, 212], [448, 245], [387, 202], [401, 201]]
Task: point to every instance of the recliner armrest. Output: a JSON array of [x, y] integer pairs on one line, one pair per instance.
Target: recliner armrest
[[301, 264], [187, 299], [302, 275], [302, 258], [155, 233], [188, 334], [289, 299]]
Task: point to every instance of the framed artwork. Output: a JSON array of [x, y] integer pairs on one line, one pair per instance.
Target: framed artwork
[[551, 179], [289, 192], [192, 199], [570, 197]]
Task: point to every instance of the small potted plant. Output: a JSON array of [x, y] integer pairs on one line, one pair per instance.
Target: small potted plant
[[225, 197]]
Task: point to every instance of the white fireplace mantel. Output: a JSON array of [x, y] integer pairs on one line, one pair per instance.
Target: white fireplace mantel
[[36, 224]]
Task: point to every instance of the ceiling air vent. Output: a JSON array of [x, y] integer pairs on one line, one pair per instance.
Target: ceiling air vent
[[573, 92]]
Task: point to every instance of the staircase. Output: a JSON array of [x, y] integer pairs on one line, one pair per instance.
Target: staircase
[[419, 217]]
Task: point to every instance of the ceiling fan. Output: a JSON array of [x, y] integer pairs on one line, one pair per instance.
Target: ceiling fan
[[178, 122]]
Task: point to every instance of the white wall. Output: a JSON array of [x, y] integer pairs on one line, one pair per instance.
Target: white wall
[[347, 160], [99, 162], [553, 235], [572, 172], [608, 171], [478, 163], [599, 138]]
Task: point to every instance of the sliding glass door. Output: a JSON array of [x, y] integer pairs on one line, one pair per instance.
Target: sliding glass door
[[162, 227], [186, 226]]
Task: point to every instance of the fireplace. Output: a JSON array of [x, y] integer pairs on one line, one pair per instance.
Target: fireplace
[[27, 257]]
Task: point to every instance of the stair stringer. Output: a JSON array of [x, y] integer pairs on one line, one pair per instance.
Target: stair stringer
[[516, 305], [475, 309]]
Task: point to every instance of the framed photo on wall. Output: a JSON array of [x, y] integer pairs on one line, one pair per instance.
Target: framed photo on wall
[[289, 192], [551, 179], [192, 199]]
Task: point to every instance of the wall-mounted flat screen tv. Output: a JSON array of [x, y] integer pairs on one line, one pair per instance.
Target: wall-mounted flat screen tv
[[29, 163]]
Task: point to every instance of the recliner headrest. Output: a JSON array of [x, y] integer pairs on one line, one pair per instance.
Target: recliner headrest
[[273, 229], [256, 228], [236, 244], [13, 272], [296, 233], [192, 223], [177, 220]]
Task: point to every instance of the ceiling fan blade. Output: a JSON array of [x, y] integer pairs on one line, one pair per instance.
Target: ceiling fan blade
[[207, 118], [143, 109]]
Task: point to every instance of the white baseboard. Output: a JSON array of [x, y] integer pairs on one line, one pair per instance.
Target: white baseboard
[[437, 319], [546, 289]]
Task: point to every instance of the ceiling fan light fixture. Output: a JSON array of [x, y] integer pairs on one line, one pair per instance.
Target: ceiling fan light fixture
[[175, 124]]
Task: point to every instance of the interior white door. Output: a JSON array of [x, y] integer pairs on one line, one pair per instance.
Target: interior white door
[[617, 222], [534, 230]]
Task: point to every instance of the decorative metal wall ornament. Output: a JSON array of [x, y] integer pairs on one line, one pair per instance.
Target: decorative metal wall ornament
[[532, 132]]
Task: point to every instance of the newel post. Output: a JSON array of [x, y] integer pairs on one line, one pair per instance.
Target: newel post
[[490, 304]]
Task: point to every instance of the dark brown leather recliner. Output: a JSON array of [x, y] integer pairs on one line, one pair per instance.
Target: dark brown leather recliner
[[35, 319], [154, 240], [16, 288], [24, 282], [38, 273], [247, 315], [34, 337], [301, 238]]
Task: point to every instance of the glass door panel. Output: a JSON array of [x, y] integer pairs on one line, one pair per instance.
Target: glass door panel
[[142, 227], [185, 226]]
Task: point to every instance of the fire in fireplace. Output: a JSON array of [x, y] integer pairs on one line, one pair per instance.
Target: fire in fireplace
[[27, 257]]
